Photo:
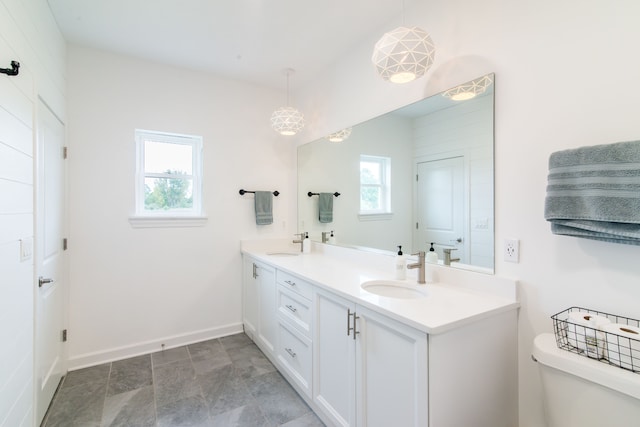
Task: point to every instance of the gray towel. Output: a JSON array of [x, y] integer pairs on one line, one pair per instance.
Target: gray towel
[[594, 192], [325, 208], [264, 207]]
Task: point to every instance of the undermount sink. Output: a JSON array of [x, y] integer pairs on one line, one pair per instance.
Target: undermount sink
[[284, 253], [393, 289]]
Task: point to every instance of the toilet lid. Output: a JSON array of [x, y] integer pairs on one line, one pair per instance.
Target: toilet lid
[[546, 352]]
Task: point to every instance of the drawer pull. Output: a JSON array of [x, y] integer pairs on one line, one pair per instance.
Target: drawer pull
[[290, 283], [291, 352], [292, 308]]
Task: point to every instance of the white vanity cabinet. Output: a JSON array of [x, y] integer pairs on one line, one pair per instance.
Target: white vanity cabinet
[[259, 304], [369, 370], [294, 313]]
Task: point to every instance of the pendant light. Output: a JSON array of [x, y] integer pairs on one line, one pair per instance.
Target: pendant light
[[403, 54], [287, 120], [469, 90], [339, 136]]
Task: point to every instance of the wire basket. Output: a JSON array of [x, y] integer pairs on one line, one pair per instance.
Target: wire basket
[[594, 342]]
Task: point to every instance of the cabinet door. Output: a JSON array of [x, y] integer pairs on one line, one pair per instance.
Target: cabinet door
[[250, 310], [334, 358], [391, 372], [268, 322]]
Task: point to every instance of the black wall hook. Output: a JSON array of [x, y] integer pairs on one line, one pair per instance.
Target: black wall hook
[[13, 71]]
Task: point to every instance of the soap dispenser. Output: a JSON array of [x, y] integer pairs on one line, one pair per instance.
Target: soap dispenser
[[306, 244], [401, 265], [432, 255]]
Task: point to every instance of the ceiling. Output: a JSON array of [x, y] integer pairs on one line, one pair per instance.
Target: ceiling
[[249, 40]]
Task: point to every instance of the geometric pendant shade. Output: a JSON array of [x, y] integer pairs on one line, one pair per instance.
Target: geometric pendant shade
[[469, 90], [287, 120], [339, 136], [404, 54]]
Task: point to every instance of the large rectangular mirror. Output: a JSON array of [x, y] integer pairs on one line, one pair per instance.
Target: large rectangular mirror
[[417, 175]]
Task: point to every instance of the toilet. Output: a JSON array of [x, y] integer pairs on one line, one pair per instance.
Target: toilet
[[583, 392]]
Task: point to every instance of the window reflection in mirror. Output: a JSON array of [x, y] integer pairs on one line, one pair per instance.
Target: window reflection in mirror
[[442, 178]]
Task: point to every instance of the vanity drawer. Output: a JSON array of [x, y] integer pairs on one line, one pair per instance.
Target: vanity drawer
[[295, 284], [296, 309], [294, 355]]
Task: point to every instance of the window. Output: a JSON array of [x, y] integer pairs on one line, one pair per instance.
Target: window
[[375, 185], [168, 176]]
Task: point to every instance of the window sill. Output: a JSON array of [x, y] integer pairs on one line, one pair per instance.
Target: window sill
[[167, 221], [375, 216]]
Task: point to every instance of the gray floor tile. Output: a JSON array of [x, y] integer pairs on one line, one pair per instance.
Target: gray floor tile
[[168, 356], [88, 375], [223, 390], [130, 374], [191, 411], [277, 399], [249, 361], [79, 405], [234, 341], [309, 420], [220, 382], [131, 408], [244, 416], [175, 381], [208, 355]]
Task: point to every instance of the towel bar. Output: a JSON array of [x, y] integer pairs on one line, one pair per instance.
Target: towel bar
[[336, 194], [243, 192]]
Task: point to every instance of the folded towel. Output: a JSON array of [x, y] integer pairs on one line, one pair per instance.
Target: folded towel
[[264, 204], [594, 192], [325, 208]]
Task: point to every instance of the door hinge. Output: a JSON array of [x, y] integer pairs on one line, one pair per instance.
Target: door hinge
[[65, 152], [417, 177], [64, 335], [416, 226], [65, 244]]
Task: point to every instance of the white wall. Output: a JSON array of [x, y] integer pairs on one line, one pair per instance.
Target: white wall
[[565, 77], [135, 289], [28, 34]]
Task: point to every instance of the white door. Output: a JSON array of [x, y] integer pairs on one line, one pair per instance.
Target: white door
[[268, 323], [250, 310], [441, 206], [50, 260], [391, 372], [334, 358]]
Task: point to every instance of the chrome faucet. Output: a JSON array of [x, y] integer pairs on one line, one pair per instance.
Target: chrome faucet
[[299, 240], [420, 266], [447, 256], [325, 236]]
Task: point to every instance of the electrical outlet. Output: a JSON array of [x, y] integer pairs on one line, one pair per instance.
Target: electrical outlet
[[511, 250]]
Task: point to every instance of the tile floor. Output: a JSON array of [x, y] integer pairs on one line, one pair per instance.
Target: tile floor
[[221, 382]]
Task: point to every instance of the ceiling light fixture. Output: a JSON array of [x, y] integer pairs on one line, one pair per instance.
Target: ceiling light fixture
[[287, 120], [468, 90], [339, 136], [403, 54]]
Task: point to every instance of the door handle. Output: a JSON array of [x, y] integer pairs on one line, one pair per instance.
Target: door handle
[[43, 281]]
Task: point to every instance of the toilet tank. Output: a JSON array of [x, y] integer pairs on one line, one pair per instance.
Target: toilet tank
[[583, 392]]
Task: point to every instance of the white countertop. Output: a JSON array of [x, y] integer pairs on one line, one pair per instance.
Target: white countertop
[[457, 298]]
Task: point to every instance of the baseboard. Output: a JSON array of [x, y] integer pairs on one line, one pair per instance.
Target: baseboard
[[96, 358]]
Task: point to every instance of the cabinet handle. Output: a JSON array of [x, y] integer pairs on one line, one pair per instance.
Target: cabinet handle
[[255, 271], [291, 353], [292, 308], [349, 328], [290, 283]]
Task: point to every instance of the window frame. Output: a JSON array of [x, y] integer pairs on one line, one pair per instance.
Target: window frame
[[193, 216], [384, 186]]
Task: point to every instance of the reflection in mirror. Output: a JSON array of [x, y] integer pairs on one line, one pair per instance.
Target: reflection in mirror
[[420, 174]]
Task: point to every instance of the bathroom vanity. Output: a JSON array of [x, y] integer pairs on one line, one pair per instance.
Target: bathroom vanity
[[441, 354]]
